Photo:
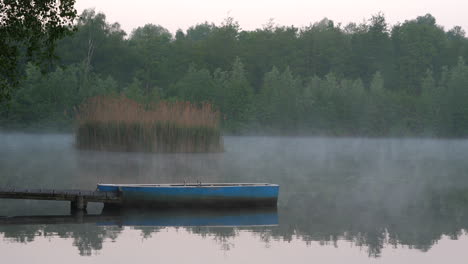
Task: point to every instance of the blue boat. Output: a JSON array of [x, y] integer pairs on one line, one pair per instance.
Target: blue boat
[[194, 195]]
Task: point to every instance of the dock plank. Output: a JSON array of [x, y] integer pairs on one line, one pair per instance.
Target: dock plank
[[60, 195]]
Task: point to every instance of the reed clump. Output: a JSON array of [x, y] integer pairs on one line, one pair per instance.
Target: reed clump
[[121, 124]]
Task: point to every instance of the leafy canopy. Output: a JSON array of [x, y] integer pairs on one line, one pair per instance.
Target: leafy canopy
[[29, 30]]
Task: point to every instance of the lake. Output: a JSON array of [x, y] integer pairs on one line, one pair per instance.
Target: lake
[[352, 200]]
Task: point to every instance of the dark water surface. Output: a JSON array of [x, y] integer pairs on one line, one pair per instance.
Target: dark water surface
[[341, 201]]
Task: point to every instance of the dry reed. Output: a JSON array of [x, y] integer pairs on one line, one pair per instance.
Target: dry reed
[[121, 124]]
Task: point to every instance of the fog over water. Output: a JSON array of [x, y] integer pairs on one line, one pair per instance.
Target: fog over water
[[341, 199]]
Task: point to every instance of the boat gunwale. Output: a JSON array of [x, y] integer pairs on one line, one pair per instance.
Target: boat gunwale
[[192, 185]]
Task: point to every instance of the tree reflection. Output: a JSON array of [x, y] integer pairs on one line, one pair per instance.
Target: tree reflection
[[418, 226]]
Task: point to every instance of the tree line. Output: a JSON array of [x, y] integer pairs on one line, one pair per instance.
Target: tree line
[[368, 79]]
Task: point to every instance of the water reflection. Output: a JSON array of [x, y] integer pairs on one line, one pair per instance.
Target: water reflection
[[233, 217], [90, 230], [372, 192]]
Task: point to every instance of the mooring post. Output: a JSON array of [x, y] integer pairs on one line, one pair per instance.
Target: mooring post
[[79, 204]]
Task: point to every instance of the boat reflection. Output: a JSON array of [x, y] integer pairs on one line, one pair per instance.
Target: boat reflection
[[163, 218]]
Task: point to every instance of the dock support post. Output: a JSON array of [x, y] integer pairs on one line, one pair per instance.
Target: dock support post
[[79, 204]]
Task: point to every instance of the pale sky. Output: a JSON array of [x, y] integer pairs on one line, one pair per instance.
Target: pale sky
[[252, 14]]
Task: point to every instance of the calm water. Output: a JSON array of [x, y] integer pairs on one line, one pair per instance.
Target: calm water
[[341, 200]]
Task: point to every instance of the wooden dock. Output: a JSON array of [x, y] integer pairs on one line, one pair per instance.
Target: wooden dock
[[79, 199]]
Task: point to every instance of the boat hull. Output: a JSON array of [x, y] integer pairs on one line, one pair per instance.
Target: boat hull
[[206, 195]]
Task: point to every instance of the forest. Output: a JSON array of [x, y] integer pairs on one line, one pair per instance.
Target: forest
[[367, 79]]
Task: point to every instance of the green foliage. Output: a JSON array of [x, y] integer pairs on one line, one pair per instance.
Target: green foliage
[[278, 101], [196, 86], [454, 106], [152, 43], [28, 32], [134, 91], [323, 49], [419, 45], [236, 101], [371, 49], [49, 100], [365, 79], [100, 46]]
